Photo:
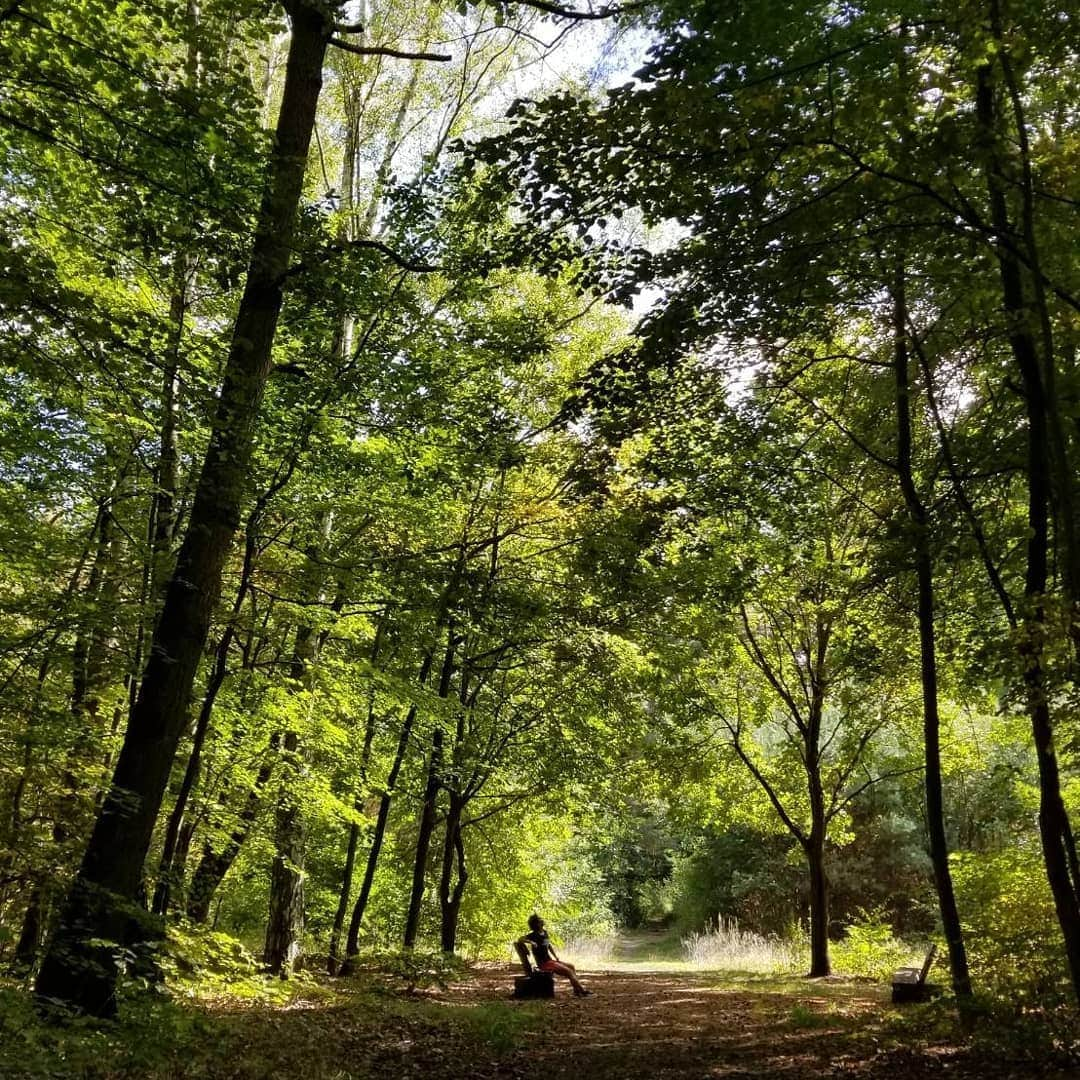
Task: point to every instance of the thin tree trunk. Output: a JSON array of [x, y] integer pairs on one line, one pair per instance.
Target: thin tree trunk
[[88, 664], [819, 905], [815, 848], [423, 838], [451, 891], [166, 879], [428, 805], [354, 827], [78, 969], [285, 924], [1054, 827], [352, 941], [167, 479], [393, 144], [344, 895], [924, 572], [213, 866]]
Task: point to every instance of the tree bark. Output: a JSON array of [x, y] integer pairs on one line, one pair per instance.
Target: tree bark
[[924, 572], [213, 866], [285, 925], [451, 891], [819, 905], [102, 904], [1054, 826], [423, 837]]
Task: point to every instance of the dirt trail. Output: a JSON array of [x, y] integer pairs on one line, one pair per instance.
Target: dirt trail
[[637, 1026]]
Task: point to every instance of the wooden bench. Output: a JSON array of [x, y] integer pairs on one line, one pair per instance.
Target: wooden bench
[[909, 984], [533, 983]]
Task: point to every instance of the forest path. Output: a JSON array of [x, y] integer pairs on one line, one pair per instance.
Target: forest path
[[647, 1025]]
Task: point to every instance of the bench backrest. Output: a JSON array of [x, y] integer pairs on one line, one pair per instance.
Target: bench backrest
[[926, 964]]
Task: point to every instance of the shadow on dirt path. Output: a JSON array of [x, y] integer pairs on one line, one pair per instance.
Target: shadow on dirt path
[[639, 1025], [676, 1026]]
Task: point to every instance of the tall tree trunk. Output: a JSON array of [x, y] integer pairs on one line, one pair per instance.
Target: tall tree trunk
[[428, 805], [817, 651], [924, 572], [78, 969], [1055, 829], [451, 891], [819, 903], [423, 837], [285, 924]]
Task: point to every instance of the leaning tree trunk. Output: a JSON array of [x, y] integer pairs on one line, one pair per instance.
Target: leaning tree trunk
[[79, 969], [214, 865], [924, 572]]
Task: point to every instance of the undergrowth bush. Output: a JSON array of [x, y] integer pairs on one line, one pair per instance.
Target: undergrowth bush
[[869, 948], [414, 968], [199, 962], [1013, 940], [152, 1033]]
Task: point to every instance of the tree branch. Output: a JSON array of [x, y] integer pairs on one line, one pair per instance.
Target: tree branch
[[383, 50], [763, 782], [375, 245], [608, 12], [869, 783]]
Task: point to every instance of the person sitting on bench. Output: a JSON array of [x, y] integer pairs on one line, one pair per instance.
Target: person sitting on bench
[[545, 957]]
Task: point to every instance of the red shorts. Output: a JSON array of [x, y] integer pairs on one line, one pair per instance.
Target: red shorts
[[549, 965]]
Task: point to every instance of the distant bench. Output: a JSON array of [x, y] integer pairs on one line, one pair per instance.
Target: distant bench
[[909, 984]]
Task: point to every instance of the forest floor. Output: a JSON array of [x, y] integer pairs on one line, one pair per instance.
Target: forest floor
[[642, 1023]]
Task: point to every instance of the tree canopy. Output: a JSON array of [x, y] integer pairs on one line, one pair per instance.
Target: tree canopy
[[446, 478]]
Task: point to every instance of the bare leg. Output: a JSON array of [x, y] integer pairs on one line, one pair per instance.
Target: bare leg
[[570, 972]]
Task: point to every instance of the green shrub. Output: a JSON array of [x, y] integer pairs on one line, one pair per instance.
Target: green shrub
[[414, 969], [1013, 939], [868, 948]]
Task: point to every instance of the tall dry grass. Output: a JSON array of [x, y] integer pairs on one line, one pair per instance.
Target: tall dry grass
[[728, 947]]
